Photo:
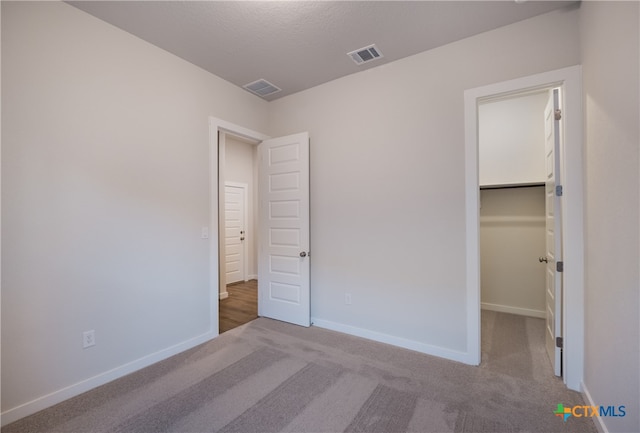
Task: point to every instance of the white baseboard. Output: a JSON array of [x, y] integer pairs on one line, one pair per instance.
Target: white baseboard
[[252, 277], [513, 310], [63, 394], [395, 341], [596, 419], [223, 295]]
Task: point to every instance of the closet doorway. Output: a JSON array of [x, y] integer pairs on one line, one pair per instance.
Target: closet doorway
[[237, 206], [572, 235], [516, 224]]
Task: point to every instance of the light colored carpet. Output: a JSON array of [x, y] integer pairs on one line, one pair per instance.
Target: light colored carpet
[[268, 376]]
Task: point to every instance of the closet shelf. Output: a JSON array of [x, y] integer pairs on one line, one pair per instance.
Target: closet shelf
[[505, 186]]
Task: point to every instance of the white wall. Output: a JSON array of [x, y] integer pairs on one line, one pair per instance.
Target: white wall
[[387, 181], [240, 167], [512, 237], [610, 56], [105, 188], [512, 226], [511, 140]]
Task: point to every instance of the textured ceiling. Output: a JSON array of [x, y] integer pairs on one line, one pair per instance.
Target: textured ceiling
[[300, 44]]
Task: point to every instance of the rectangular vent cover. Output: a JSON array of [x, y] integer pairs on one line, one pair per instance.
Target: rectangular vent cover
[[262, 87], [366, 54]]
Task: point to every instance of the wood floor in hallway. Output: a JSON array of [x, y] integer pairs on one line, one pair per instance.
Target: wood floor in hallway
[[240, 307]]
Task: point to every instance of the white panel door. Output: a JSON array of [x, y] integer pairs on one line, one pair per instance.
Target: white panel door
[[553, 235], [283, 264], [234, 233]]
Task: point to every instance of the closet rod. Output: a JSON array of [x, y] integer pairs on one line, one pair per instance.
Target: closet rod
[[526, 185]]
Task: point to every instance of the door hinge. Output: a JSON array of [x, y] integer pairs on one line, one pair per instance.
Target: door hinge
[[560, 266], [559, 191], [559, 342], [558, 114]]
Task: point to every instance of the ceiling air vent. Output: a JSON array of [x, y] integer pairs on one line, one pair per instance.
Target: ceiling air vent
[[262, 87], [366, 54]]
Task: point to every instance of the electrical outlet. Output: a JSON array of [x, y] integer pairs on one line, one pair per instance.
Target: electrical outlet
[[204, 234], [88, 339], [347, 298]]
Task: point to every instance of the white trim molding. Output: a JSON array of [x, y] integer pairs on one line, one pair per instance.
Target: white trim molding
[[597, 420], [61, 395], [416, 346]]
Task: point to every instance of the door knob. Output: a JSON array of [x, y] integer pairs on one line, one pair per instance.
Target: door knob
[[303, 254], [543, 259]]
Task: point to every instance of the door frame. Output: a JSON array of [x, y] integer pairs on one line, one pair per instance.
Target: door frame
[[215, 126], [571, 163]]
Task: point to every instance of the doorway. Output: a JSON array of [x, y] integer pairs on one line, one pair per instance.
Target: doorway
[[219, 131], [237, 176], [282, 253], [512, 177], [570, 160]]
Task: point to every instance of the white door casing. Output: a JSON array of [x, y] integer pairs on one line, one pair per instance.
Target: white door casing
[[235, 232], [283, 257], [216, 144], [571, 161], [553, 224]]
